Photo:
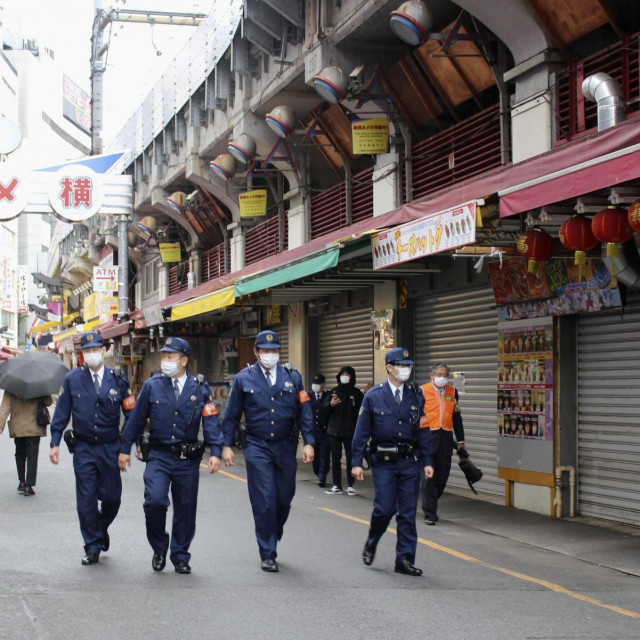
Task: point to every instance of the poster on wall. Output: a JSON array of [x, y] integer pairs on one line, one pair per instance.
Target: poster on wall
[[382, 327], [557, 287], [525, 379]]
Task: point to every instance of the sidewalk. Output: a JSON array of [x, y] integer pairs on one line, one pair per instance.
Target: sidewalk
[[595, 541]]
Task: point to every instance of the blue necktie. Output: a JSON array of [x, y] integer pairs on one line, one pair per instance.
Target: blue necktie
[[96, 382], [398, 398], [176, 388]]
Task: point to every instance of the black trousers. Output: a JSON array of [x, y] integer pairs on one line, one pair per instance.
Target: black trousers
[[336, 443], [27, 459], [433, 488]]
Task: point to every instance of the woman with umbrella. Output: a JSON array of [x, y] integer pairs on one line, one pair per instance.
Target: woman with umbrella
[[27, 378]]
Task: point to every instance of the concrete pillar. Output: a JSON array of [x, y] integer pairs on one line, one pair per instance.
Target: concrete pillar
[[298, 336], [296, 219], [163, 281], [195, 266], [385, 183], [236, 246]]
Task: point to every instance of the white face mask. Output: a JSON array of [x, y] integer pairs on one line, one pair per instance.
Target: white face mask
[[93, 359], [269, 360], [316, 388], [169, 368], [345, 379], [440, 381], [403, 373]]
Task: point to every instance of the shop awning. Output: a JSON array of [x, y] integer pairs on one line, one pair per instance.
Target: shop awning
[[80, 328], [116, 330], [325, 259], [53, 324], [576, 180], [204, 304]]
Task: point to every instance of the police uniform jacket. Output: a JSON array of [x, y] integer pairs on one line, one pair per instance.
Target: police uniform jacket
[[174, 420], [320, 413], [96, 416], [270, 413], [386, 423]]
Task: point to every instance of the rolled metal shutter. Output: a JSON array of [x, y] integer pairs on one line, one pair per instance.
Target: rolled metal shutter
[[345, 339], [283, 333], [609, 414], [461, 329]]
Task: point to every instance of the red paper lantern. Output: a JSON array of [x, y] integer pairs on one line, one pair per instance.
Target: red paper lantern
[[611, 225], [634, 215], [575, 234], [537, 246]]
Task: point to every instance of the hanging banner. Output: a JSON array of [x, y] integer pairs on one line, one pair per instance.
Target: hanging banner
[[370, 136], [434, 233], [170, 252], [253, 204]]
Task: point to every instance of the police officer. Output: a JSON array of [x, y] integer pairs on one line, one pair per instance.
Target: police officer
[[275, 404], [175, 404], [93, 396], [442, 416], [390, 417], [318, 396]]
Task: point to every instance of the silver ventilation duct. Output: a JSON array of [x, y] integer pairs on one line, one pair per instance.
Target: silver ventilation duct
[[606, 92], [627, 264]]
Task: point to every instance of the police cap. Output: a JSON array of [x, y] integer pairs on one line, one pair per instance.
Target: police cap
[[267, 340], [177, 345], [90, 340], [318, 379], [397, 356]]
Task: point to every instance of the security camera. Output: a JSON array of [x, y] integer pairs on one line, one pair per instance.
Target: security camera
[[356, 77]]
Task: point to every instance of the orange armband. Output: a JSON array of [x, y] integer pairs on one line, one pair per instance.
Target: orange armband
[[209, 409], [128, 403]]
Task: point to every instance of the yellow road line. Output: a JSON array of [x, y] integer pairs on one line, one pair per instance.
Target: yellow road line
[[552, 586], [225, 473]]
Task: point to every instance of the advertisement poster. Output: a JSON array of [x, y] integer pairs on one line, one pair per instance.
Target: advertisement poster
[[525, 379], [434, 233], [557, 287], [382, 327], [370, 136]]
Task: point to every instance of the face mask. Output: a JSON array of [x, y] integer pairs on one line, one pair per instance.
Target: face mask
[[345, 379], [316, 388], [169, 368], [93, 359], [269, 360], [440, 381], [403, 373]]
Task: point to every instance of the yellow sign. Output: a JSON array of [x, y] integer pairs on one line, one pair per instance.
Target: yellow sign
[[210, 302], [91, 306], [170, 252], [253, 203], [370, 136]]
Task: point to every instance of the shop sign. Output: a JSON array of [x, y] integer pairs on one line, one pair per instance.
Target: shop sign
[[557, 287], [370, 136], [105, 279], [253, 204], [435, 233], [23, 302], [170, 252]]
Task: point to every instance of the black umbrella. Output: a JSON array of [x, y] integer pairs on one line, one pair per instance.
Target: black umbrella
[[32, 374]]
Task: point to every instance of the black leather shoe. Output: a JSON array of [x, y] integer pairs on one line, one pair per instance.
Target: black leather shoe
[[91, 558], [28, 491], [430, 521], [106, 541], [21, 487], [269, 565], [182, 567], [159, 561], [321, 483], [368, 554], [408, 569]]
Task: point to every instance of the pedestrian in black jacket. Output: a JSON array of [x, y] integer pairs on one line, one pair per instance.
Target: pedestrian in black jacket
[[342, 406]]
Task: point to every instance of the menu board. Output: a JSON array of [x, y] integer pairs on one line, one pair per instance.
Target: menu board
[[525, 379]]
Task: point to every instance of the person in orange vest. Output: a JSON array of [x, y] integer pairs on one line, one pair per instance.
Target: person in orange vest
[[442, 416]]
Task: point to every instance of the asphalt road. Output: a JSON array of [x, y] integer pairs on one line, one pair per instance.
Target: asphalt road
[[477, 584]]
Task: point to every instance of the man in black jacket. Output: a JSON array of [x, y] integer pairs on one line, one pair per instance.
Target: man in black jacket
[[342, 406]]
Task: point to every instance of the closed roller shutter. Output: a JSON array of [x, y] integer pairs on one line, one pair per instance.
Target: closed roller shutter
[[346, 339], [461, 330], [609, 414], [283, 333]]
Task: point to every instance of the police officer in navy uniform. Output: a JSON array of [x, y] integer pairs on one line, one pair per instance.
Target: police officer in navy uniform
[[176, 403], [275, 405], [321, 447], [94, 396], [401, 452]]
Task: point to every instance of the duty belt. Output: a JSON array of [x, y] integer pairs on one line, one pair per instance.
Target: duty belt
[[407, 449]]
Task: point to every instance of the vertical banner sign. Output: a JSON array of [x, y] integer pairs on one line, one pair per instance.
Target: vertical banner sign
[[253, 204], [23, 295], [370, 136]]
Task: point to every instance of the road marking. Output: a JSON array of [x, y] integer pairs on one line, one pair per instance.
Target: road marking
[[552, 586], [225, 473]]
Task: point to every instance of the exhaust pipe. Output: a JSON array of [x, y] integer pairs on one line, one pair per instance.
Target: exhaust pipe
[[626, 266], [606, 92]]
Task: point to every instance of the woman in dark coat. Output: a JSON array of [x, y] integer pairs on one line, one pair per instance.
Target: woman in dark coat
[[342, 406]]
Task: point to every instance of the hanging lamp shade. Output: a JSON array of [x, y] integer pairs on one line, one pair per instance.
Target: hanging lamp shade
[[576, 234], [147, 225], [611, 226], [177, 201], [633, 216], [331, 84], [537, 246], [281, 120], [224, 166], [411, 22], [243, 148]]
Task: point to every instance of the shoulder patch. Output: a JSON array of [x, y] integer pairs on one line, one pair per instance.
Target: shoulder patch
[[61, 391]]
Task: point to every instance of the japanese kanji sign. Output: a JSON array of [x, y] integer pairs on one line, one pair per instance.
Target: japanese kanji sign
[[370, 136], [253, 203], [75, 193]]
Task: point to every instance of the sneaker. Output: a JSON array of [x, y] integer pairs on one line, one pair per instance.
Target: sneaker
[[334, 490], [351, 491]]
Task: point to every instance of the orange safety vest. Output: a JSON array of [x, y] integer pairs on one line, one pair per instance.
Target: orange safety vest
[[432, 407]]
